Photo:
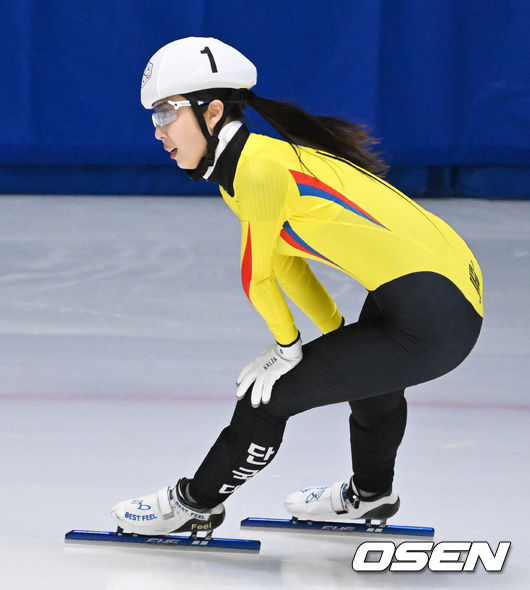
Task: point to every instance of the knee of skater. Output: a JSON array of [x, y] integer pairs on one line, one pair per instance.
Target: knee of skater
[[267, 412]]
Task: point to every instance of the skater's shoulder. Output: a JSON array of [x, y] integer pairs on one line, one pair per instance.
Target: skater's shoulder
[[261, 171]]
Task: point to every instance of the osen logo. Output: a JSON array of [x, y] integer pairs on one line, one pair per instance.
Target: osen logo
[[413, 556]]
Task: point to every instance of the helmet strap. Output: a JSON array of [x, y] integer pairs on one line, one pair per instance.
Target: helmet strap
[[212, 141]]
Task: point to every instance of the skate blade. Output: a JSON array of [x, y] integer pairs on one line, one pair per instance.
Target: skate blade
[[352, 527], [172, 541]]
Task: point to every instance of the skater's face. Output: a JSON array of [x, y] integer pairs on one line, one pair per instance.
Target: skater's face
[[183, 137]]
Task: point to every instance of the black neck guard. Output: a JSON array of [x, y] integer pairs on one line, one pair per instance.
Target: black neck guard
[[225, 168]]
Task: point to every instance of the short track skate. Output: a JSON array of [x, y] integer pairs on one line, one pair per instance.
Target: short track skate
[[193, 541], [366, 526]]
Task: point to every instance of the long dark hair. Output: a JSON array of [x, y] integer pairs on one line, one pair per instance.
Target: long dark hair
[[338, 137]]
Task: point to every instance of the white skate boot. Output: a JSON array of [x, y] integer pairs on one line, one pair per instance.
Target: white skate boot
[[165, 512], [341, 500]]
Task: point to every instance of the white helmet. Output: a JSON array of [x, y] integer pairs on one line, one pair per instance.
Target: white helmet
[[195, 63]]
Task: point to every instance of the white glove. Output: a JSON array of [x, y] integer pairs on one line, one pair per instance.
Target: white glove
[[266, 369]]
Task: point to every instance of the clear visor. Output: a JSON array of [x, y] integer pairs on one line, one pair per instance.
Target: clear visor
[[166, 112]]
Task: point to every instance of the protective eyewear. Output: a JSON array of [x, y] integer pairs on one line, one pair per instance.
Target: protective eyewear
[[166, 112]]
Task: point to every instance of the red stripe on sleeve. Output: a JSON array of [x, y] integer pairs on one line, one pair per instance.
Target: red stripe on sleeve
[[302, 178], [246, 265]]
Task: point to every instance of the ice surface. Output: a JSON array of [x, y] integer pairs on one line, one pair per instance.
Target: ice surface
[[122, 328]]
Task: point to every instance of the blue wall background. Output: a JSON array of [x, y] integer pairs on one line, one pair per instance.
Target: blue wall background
[[444, 83]]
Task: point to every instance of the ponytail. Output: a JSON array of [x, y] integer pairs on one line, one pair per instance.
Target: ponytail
[[337, 137]]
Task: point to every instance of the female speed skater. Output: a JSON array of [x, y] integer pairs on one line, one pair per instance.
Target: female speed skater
[[315, 195]]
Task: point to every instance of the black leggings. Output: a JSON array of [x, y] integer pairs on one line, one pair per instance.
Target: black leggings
[[410, 330]]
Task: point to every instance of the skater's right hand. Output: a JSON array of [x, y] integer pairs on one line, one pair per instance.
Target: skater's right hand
[[266, 369]]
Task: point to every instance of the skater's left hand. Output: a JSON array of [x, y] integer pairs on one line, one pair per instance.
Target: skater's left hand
[[266, 369]]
